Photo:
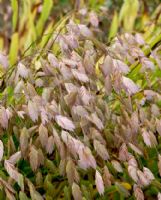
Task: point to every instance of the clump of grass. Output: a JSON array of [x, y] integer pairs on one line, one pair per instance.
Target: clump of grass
[[81, 119]]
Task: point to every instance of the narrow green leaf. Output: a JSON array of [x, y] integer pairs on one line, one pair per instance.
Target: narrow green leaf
[[23, 196], [111, 189], [114, 26], [128, 14], [67, 193], [14, 5], [47, 35], [47, 6], [13, 52]]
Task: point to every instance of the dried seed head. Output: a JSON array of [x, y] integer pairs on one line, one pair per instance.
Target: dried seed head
[[99, 183], [76, 192], [107, 177], [101, 150], [123, 153], [138, 193], [133, 173], [149, 175], [143, 180]]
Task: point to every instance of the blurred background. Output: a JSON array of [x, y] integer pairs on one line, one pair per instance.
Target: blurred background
[[24, 24]]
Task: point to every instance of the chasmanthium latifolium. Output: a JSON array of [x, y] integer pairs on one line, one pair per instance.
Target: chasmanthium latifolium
[[83, 119]]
